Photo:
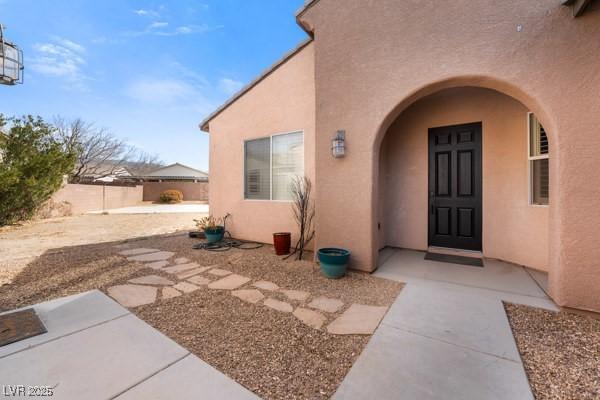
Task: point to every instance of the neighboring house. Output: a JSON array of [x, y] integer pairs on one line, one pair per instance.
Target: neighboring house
[[192, 182], [175, 173], [107, 172], [467, 124]]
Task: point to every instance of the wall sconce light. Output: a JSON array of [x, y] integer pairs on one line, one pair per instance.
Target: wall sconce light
[[338, 145]]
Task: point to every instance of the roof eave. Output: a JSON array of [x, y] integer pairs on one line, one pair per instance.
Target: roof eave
[[204, 125]]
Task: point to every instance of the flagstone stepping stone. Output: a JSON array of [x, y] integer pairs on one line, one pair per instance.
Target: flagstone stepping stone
[[152, 280], [181, 260], [326, 304], [135, 252], [159, 256], [176, 269], [122, 246], [169, 293], [298, 295], [219, 272], [192, 272], [249, 295], [358, 319], [230, 282], [199, 280], [311, 318], [278, 305], [186, 287], [266, 285], [132, 295], [157, 264]]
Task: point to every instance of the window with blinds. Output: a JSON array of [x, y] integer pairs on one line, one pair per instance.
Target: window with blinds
[[539, 167], [271, 164]]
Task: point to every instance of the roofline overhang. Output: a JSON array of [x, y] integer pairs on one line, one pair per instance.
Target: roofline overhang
[[204, 125]]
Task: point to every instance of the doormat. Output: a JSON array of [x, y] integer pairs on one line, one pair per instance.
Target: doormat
[[20, 325], [452, 259]]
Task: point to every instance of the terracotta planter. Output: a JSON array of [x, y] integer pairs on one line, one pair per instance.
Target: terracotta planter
[[282, 242]]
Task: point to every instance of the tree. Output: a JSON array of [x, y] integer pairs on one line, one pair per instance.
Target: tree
[[32, 165], [99, 153], [304, 214]]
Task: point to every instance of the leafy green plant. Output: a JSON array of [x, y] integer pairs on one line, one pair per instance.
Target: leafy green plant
[[171, 196], [33, 162]]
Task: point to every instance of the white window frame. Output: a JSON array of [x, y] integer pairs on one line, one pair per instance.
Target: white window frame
[[530, 160], [270, 199]]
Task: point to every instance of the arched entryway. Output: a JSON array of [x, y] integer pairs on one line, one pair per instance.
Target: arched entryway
[[508, 215]]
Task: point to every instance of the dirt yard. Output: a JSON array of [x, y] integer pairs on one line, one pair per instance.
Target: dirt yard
[[21, 244]]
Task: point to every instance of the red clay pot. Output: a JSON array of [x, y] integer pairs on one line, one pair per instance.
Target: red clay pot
[[282, 242]]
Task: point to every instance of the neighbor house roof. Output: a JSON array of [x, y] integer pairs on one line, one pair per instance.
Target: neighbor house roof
[[177, 171], [247, 88]]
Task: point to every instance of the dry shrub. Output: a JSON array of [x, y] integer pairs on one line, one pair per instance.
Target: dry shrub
[[171, 196]]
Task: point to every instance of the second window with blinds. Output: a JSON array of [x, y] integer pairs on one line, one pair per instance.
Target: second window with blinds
[[271, 164]]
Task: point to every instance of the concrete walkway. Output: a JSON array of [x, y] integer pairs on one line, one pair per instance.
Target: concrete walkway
[[195, 208], [447, 335], [96, 349]]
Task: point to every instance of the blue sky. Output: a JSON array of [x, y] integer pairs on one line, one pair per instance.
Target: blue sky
[[148, 71]]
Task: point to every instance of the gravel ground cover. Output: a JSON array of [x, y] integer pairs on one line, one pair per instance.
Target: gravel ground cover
[[560, 351], [270, 352]]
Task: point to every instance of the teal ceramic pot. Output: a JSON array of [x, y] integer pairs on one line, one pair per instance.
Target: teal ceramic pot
[[333, 261], [214, 235]]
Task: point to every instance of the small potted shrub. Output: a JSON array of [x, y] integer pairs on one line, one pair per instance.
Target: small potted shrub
[[171, 196], [333, 261], [213, 228]]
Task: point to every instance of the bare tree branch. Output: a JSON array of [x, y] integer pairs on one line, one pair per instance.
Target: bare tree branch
[[304, 214]]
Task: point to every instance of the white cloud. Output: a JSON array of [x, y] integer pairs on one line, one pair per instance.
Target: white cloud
[[230, 86], [146, 13], [61, 58], [157, 25], [160, 91]]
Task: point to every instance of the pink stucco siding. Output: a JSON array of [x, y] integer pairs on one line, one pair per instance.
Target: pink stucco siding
[[283, 102]]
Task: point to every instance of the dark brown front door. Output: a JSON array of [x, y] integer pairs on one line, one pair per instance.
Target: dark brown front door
[[455, 186]]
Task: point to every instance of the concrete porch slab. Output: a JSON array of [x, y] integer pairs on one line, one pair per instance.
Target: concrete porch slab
[[409, 266], [401, 365]]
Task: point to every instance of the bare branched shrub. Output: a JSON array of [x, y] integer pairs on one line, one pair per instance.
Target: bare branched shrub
[[304, 214]]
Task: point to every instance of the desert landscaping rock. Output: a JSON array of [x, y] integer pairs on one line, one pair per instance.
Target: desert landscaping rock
[[249, 295], [186, 287], [311, 318], [158, 256], [230, 282], [157, 264], [358, 319], [135, 252], [278, 305], [192, 272], [235, 258], [297, 295], [152, 280], [266, 285], [132, 295], [219, 272], [199, 280], [176, 269], [181, 260], [169, 293], [326, 304]]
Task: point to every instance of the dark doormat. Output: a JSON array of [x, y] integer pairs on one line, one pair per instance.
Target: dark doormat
[[448, 258], [20, 325]]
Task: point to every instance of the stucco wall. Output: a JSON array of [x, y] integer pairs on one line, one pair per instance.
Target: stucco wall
[[192, 191], [512, 229], [375, 58], [283, 102], [84, 198]]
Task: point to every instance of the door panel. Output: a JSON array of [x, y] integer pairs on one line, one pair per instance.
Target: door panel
[[455, 210]]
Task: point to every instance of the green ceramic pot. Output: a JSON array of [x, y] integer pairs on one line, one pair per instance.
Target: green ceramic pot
[[214, 235], [334, 261]]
